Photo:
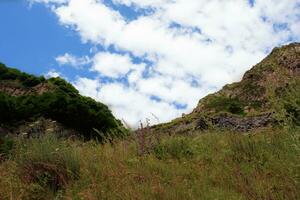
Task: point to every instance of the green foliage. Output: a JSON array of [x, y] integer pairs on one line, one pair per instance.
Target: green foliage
[[176, 148], [6, 145], [222, 103], [47, 161], [291, 102], [14, 74], [77, 112], [63, 85], [63, 103]]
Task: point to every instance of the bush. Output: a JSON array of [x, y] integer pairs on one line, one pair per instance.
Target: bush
[[6, 145], [63, 104], [63, 85], [14, 74], [48, 162]]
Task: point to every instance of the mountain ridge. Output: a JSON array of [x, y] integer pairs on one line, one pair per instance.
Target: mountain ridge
[[258, 100]]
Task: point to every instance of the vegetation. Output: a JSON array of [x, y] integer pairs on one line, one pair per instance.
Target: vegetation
[[226, 104], [291, 102], [6, 145], [47, 162], [63, 103], [215, 165], [201, 163], [25, 79]]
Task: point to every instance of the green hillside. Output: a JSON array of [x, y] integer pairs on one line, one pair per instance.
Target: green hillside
[[26, 98], [241, 143], [267, 95]]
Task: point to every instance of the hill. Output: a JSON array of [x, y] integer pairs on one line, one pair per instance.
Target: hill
[[267, 95], [30, 105], [215, 162]]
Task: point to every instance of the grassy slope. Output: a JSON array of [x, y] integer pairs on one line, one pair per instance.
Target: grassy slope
[[265, 164], [269, 87], [262, 165]]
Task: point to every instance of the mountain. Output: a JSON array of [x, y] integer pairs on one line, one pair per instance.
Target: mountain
[[267, 95], [32, 105]]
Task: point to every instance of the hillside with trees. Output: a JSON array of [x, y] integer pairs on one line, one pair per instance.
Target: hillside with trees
[[25, 98], [241, 143]]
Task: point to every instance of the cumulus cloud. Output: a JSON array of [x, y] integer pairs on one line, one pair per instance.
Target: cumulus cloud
[[128, 104], [71, 60], [173, 52], [113, 65], [52, 74]]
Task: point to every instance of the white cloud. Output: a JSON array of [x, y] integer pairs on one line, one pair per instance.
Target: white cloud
[[113, 65], [49, 1], [68, 59], [88, 87], [52, 74], [178, 42], [128, 104]]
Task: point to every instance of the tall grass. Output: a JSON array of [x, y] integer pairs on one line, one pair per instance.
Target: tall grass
[[47, 162], [262, 165]]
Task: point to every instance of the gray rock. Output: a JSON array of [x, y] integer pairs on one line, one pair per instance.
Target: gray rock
[[244, 123]]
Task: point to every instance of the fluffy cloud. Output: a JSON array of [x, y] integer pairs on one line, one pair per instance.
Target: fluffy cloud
[[71, 60], [52, 74], [173, 52], [128, 104], [113, 65]]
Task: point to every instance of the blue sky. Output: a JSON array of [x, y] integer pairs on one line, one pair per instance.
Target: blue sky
[[144, 58], [31, 38]]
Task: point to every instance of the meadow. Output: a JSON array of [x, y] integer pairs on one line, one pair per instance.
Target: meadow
[[263, 164]]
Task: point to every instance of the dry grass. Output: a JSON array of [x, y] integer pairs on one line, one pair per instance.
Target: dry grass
[[263, 165]]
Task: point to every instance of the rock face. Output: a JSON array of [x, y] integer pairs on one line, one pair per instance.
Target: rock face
[[245, 123], [42, 126], [269, 93], [11, 89]]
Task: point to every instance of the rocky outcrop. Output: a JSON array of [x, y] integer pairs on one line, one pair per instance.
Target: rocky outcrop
[[267, 95], [243, 123], [15, 90], [38, 128]]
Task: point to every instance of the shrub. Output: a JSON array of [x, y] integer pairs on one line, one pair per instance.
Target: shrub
[[63, 104], [63, 85], [14, 74], [6, 145], [48, 162], [31, 81]]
